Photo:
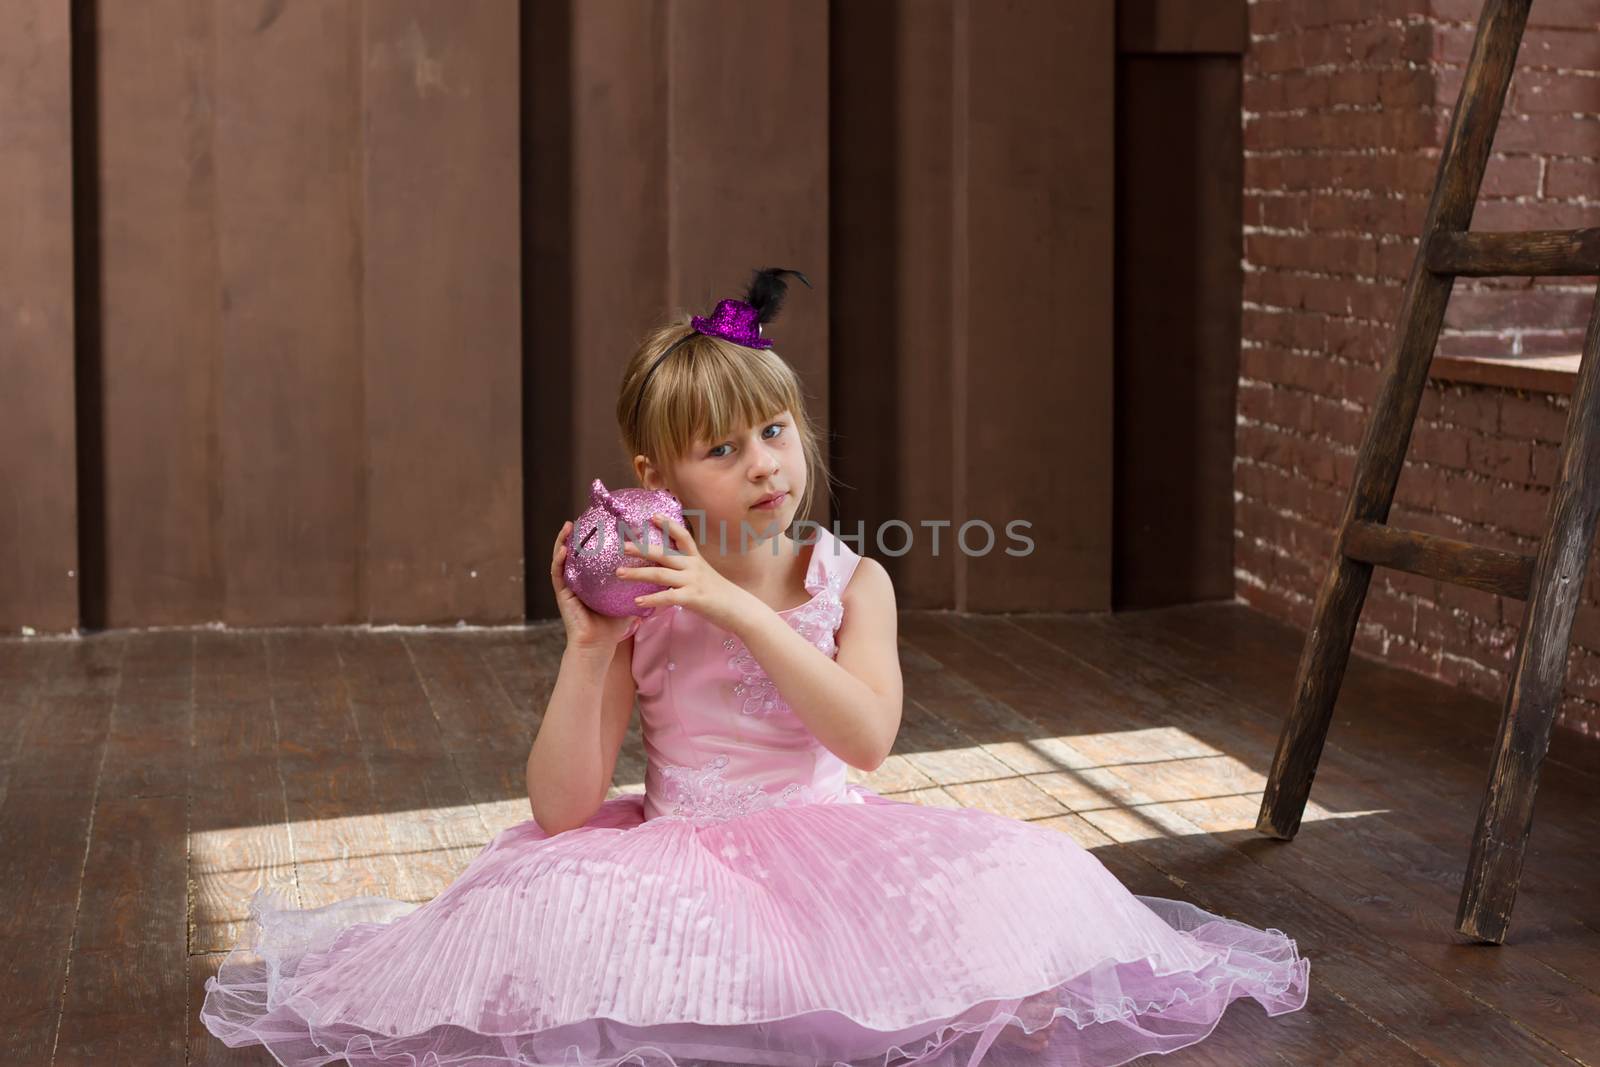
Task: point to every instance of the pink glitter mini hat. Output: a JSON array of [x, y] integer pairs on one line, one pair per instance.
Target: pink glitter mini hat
[[738, 321]]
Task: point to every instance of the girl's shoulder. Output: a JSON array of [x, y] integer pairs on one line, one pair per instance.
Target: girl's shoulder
[[868, 599], [869, 578]]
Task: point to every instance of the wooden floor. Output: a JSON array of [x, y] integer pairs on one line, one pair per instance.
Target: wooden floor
[[152, 780]]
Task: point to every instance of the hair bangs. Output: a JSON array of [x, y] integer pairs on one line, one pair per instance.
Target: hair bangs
[[710, 388]]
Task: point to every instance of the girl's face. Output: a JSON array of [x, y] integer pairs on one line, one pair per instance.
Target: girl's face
[[734, 480]]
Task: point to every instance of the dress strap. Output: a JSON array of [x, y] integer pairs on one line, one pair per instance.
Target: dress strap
[[832, 563]]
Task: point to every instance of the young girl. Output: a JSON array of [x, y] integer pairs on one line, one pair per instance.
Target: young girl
[[752, 906]]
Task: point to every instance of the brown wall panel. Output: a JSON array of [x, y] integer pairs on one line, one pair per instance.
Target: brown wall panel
[[621, 241], [550, 99], [441, 313], [310, 312], [1179, 293], [1033, 299], [973, 257], [160, 322], [893, 391], [1182, 26], [287, 407], [38, 483], [595, 246]]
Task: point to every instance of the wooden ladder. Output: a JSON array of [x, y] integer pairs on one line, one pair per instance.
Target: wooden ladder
[[1550, 583]]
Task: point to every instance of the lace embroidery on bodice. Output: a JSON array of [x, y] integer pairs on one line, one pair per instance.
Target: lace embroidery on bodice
[[703, 795], [816, 621]]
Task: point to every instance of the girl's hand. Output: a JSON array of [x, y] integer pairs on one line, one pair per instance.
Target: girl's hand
[[692, 582], [586, 629]]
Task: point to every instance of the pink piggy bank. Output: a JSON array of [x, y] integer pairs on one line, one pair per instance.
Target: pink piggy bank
[[594, 548]]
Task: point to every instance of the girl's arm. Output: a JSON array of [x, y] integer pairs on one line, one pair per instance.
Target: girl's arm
[[852, 703], [575, 751]]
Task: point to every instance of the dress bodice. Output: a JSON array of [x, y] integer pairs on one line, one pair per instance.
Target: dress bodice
[[719, 738]]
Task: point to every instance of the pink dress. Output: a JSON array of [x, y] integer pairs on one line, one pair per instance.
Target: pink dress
[[752, 906]]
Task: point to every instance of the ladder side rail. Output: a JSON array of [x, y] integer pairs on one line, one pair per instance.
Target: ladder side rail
[[1337, 610], [1539, 664]]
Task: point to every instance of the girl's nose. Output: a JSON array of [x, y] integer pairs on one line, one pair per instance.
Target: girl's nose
[[763, 464]]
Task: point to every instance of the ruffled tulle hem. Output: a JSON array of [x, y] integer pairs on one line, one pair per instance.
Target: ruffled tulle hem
[[1109, 1014]]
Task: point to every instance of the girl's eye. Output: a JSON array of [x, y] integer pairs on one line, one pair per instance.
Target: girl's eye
[[714, 454]]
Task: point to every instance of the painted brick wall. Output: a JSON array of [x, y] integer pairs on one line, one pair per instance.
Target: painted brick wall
[[1346, 105]]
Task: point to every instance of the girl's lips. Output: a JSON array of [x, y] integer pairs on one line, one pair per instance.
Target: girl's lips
[[769, 504]]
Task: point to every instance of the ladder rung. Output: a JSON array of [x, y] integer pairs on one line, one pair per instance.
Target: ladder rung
[[1457, 562], [1525, 254]]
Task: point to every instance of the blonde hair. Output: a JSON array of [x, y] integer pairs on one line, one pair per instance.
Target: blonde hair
[[705, 390]]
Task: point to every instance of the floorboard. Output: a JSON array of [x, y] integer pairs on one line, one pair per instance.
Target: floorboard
[[152, 781]]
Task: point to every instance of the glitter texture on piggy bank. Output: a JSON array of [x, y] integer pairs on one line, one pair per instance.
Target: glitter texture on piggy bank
[[595, 546]]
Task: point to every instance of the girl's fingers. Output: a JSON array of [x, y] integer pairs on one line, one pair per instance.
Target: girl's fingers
[[632, 546], [677, 536], [558, 557], [651, 551], [657, 575]]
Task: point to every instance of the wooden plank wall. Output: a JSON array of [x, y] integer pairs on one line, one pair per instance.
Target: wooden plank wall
[[441, 286], [356, 281], [972, 355], [303, 281], [38, 485], [1179, 301], [316, 387]]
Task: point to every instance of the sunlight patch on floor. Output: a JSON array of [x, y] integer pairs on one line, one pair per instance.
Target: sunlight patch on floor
[[1130, 785]]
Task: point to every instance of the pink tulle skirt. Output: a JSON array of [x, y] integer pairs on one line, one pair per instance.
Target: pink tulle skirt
[[872, 934]]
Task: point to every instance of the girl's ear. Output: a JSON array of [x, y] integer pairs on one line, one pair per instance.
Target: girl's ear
[[644, 472]]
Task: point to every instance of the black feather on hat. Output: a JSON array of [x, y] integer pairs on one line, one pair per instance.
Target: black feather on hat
[[767, 290]]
